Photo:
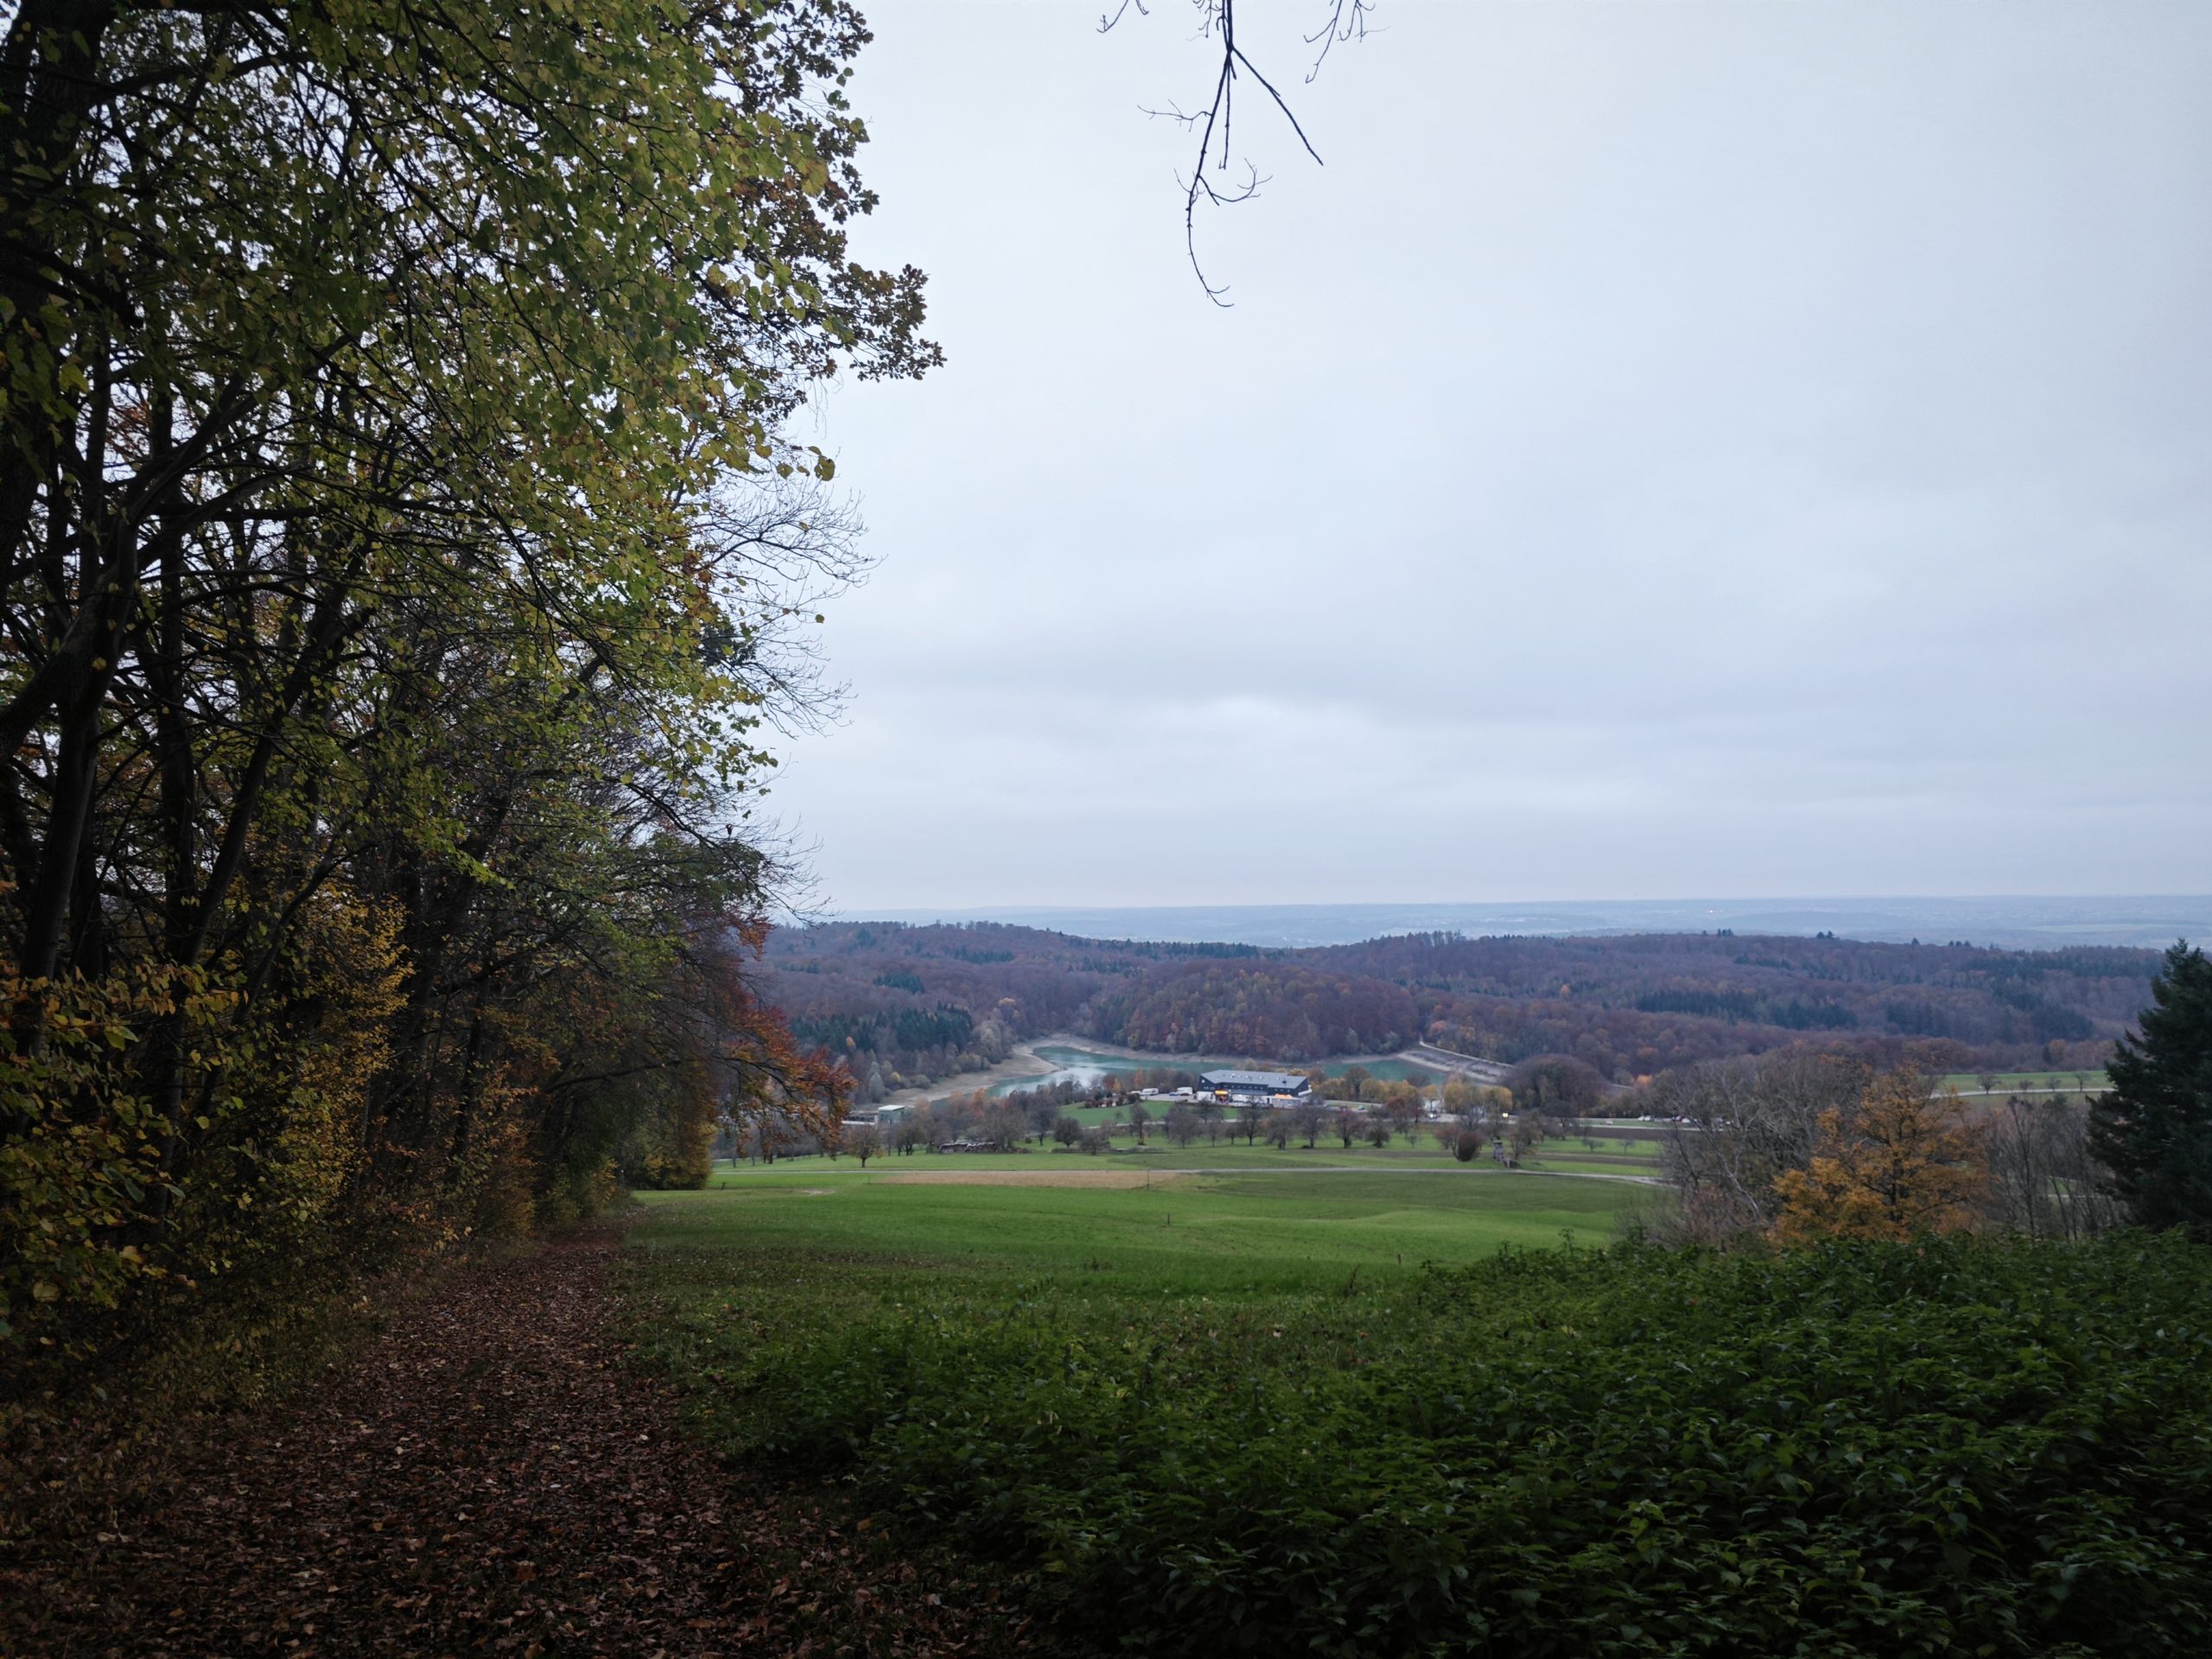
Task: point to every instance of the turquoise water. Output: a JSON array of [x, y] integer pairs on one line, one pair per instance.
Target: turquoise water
[[1084, 1067]]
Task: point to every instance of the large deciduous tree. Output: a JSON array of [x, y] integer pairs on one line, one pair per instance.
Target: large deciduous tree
[[400, 555], [2153, 1129]]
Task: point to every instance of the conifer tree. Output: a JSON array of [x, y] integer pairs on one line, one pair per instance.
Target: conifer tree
[[2153, 1130]]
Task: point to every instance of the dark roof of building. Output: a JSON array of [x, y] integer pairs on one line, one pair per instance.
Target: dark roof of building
[[1274, 1080]]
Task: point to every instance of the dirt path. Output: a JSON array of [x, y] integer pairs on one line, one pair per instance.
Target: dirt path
[[485, 1477]]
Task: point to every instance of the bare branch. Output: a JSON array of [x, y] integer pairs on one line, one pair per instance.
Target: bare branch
[[1284, 107], [1172, 113], [1347, 20]]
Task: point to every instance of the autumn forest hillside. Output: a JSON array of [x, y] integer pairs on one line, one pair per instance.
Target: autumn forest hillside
[[924, 1002]]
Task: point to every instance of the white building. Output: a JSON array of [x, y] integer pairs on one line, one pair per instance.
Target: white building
[[1284, 1087]]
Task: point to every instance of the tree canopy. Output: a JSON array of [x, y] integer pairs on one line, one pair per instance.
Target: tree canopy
[[1900, 1164], [404, 566]]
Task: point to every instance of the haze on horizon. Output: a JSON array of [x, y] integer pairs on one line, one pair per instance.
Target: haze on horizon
[[1669, 448]]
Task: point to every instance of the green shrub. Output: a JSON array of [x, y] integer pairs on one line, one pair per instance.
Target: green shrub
[[1961, 1447]]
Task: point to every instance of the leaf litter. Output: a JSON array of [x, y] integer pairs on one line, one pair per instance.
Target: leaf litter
[[489, 1476]]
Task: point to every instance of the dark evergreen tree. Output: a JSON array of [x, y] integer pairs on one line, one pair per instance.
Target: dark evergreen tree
[[2153, 1130]]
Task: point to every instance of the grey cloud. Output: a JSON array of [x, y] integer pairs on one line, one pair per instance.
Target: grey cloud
[[1668, 449]]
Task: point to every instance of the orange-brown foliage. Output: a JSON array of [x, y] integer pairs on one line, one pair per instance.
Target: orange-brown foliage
[[1904, 1163]]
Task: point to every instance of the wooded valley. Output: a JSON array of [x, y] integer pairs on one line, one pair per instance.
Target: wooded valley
[[926, 1002]]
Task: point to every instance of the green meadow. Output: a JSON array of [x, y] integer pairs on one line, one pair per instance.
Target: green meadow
[[1287, 1222], [1970, 1082]]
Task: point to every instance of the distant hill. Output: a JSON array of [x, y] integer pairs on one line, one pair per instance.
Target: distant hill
[[2036, 922], [929, 1000]]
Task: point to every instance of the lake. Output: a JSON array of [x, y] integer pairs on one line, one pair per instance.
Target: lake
[[1084, 1067]]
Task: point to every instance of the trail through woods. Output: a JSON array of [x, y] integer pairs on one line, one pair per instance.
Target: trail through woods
[[487, 1477]]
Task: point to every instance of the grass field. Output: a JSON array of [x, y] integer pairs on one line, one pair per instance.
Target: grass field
[[1285, 1224], [1312, 1405], [1568, 1154], [1970, 1082]]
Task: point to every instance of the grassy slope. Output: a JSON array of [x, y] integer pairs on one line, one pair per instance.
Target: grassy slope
[[1257, 1233]]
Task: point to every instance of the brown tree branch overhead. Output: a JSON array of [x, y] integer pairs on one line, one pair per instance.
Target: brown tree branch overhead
[[1345, 20]]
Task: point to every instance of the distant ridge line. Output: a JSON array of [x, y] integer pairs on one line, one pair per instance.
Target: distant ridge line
[[2049, 922]]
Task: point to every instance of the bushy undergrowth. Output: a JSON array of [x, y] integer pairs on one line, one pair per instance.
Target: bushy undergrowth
[[1963, 1446]]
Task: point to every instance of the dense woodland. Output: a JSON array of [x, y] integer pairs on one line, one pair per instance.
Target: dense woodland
[[404, 571], [914, 1003]]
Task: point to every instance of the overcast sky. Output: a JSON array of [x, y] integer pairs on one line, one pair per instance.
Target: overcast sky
[[1669, 449]]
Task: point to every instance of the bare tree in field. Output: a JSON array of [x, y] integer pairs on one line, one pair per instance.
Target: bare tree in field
[[1405, 1114], [1005, 1123], [2043, 1181], [1743, 1123], [1043, 1114], [863, 1142]]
